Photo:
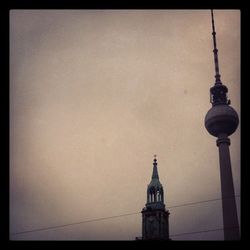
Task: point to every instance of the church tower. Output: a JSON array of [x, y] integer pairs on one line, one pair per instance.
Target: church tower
[[154, 214]]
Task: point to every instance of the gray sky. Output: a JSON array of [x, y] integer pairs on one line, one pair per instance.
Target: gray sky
[[94, 94]]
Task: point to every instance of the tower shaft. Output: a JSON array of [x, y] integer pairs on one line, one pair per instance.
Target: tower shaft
[[221, 121], [230, 219]]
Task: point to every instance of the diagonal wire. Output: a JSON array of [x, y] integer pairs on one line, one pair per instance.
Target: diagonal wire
[[111, 217], [75, 223], [197, 202], [204, 231]]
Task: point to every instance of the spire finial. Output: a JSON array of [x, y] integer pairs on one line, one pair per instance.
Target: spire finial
[[216, 61], [155, 172], [155, 160]]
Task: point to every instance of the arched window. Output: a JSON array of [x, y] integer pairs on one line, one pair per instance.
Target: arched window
[[158, 195], [152, 194], [162, 195]]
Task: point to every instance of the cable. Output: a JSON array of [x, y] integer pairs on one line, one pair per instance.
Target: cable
[[193, 203], [205, 231], [70, 224], [110, 217]]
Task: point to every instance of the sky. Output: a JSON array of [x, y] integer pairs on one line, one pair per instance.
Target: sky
[[94, 94]]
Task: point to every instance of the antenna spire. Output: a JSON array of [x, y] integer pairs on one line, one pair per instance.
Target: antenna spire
[[216, 61]]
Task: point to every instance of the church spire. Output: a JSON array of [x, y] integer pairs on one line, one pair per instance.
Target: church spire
[[155, 171], [155, 192], [154, 215]]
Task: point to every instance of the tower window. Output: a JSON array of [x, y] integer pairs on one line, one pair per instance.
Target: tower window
[[158, 195]]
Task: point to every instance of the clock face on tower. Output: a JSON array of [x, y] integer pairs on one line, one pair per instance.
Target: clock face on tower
[[151, 226], [151, 219]]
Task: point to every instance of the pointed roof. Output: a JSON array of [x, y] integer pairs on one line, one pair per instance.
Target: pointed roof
[[155, 182], [155, 171]]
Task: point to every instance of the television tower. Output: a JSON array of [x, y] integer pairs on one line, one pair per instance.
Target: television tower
[[221, 121]]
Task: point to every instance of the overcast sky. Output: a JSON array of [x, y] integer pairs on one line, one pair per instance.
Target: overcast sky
[[94, 94]]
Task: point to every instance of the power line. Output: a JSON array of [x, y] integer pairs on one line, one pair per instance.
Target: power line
[[75, 223], [204, 231], [205, 201], [111, 217]]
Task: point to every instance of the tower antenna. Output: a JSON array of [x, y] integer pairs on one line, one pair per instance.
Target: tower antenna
[[216, 61]]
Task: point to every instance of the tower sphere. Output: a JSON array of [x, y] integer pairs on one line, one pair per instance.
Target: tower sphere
[[221, 119]]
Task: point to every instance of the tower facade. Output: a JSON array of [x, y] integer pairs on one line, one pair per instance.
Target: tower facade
[[155, 224], [221, 121]]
